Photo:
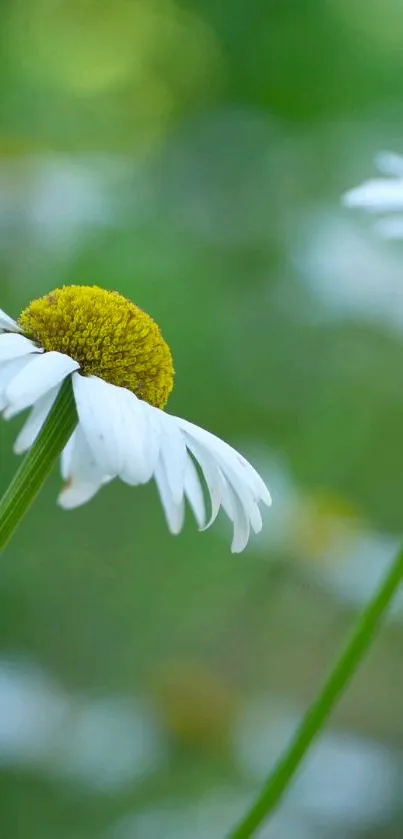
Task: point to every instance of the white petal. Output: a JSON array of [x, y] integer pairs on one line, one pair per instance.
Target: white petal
[[228, 457], [115, 426], [173, 454], [212, 475], [8, 323], [174, 513], [390, 163], [238, 482], [236, 512], [256, 520], [66, 457], [14, 346], [79, 462], [99, 416], [76, 494], [247, 472], [379, 194], [154, 434], [257, 483], [138, 461], [237, 485], [35, 421], [83, 475], [42, 374], [8, 370], [240, 505], [242, 512], [261, 489], [194, 493]]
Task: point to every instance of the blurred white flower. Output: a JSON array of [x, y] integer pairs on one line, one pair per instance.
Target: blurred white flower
[[353, 569], [32, 709], [102, 742], [209, 818], [351, 273], [107, 743], [382, 195], [57, 198], [346, 781]]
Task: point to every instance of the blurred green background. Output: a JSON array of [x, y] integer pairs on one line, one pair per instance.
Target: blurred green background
[[192, 156]]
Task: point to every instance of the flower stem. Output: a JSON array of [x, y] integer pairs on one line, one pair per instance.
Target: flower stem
[[38, 463], [350, 657]]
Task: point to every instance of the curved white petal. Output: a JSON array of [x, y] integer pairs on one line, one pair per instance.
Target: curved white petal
[[236, 485], [227, 457], [138, 463], [154, 434], [100, 418], [174, 513], [35, 421], [257, 483], [194, 493], [14, 346], [239, 503], [83, 465], [173, 454], [244, 493], [116, 428], [256, 519], [43, 373], [8, 370], [378, 194], [237, 514], [80, 471], [67, 456], [212, 475], [76, 494], [8, 323], [390, 163]]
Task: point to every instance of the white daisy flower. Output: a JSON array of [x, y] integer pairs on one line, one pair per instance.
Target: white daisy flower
[[382, 195], [122, 374]]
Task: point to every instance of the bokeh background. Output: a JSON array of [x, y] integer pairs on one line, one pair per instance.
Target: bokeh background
[[192, 156]]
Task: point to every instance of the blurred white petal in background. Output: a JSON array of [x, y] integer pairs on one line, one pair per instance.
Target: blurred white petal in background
[[210, 818], [102, 743], [380, 194], [346, 781], [351, 273]]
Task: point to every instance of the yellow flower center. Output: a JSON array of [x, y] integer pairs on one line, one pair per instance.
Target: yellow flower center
[[108, 335]]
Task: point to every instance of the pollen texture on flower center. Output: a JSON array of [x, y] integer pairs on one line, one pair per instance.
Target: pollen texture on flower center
[[107, 335]]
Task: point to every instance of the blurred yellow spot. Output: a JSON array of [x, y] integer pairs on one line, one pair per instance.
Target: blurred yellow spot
[[321, 522], [194, 702], [108, 335]]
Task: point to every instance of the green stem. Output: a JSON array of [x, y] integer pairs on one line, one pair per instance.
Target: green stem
[[38, 463], [333, 688]]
